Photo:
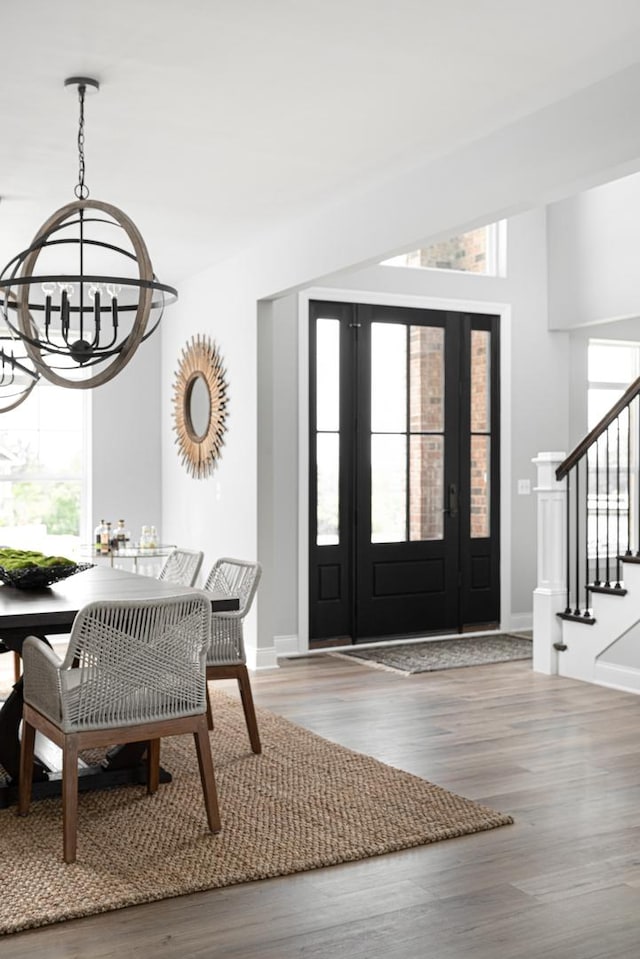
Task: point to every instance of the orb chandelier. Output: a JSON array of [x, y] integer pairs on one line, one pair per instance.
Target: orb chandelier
[[18, 376], [83, 295], [17, 379]]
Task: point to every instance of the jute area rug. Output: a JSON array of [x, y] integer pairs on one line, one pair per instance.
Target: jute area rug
[[431, 655], [304, 803]]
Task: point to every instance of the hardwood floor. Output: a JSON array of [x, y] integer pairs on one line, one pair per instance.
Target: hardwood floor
[[562, 883]]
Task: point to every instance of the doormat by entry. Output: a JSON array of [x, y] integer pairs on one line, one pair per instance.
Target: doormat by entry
[[435, 654]]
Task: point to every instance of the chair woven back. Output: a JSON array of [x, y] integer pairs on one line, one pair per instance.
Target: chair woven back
[[128, 662], [234, 577], [182, 567]]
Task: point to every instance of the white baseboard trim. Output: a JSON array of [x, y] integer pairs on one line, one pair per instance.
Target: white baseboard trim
[[624, 678], [286, 645], [263, 658], [519, 621], [409, 641]]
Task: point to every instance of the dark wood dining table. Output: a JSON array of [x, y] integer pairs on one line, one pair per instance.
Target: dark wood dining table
[[51, 611]]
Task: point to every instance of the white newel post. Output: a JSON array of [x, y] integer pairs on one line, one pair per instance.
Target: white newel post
[[549, 596]]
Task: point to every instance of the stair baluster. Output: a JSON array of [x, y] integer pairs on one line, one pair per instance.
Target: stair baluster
[[567, 611], [628, 549], [602, 456], [587, 482], [597, 581], [576, 611], [617, 586], [608, 557]]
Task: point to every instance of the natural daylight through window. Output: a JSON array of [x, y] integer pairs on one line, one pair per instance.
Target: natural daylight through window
[[612, 366], [480, 251], [42, 471]]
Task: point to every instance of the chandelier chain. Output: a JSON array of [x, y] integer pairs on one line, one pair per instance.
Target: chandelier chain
[[81, 190]]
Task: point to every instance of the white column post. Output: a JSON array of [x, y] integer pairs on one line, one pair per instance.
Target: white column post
[[549, 597]]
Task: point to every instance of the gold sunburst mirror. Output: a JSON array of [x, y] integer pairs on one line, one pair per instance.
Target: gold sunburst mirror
[[200, 406]]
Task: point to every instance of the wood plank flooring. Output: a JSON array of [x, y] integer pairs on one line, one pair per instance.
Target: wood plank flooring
[[562, 883]]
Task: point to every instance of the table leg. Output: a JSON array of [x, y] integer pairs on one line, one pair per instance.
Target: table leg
[[10, 718], [123, 757]]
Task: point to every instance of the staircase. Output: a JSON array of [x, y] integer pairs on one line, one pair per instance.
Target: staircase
[[587, 602], [606, 649]]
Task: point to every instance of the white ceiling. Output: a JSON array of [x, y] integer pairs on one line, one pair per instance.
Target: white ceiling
[[220, 119]]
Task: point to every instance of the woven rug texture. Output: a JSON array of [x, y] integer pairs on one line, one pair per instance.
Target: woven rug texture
[[304, 803], [431, 655]]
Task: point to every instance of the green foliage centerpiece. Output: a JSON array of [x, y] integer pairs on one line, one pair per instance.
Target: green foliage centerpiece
[[29, 569]]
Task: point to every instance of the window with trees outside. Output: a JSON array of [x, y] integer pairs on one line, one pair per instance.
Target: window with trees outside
[[42, 458]]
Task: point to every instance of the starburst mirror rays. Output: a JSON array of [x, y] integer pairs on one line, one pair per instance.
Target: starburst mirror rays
[[200, 406]]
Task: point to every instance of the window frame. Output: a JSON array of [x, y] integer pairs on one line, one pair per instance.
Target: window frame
[[85, 477], [495, 260]]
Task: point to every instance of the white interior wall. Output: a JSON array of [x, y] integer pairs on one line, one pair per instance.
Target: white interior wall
[[283, 359], [217, 514], [627, 330], [594, 247], [530, 420], [583, 140], [623, 652], [594, 285], [125, 445]]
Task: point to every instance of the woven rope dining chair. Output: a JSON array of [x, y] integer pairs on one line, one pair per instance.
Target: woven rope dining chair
[[181, 567], [134, 671], [226, 657]]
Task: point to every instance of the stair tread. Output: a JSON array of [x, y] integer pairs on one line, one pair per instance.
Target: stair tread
[[608, 590], [579, 618]]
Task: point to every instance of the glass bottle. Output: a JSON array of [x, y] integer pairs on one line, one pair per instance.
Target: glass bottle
[[105, 538], [97, 536], [153, 537], [122, 535], [144, 537]]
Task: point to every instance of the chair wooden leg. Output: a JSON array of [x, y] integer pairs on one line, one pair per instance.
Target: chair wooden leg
[[207, 777], [249, 709], [70, 797], [17, 667], [153, 766], [209, 713], [26, 768]]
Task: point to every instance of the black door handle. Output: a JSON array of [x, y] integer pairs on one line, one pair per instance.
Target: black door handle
[[452, 500]]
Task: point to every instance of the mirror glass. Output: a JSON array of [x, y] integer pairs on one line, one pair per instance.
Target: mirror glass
[[199, 407]]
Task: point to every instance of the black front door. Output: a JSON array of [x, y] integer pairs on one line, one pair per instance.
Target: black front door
[[404, 498]]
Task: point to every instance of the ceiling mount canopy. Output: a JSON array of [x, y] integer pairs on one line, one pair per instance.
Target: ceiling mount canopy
[[83, 295]]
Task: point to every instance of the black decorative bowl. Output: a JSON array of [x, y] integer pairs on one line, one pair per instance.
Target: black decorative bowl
[[37, 577]]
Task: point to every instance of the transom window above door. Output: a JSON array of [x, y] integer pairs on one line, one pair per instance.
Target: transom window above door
[[481, 251]]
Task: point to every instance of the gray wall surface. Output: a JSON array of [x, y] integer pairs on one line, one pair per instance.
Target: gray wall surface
[[126, 444], [594, 242], [534, 395]]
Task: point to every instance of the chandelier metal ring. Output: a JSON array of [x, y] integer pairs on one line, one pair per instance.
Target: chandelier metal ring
[[81, 324], [17, 375], [11, 397], [86, 350]]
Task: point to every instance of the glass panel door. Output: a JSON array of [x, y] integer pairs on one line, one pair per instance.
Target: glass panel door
[[328, 431], [403, 471]]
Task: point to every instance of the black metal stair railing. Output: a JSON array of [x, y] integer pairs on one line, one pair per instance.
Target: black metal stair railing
[[603, 506]]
